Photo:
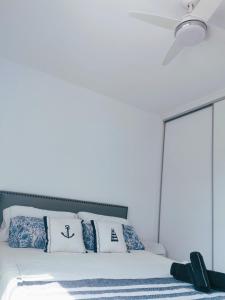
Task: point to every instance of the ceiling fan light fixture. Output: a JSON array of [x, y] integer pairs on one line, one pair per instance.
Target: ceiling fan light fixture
[[191, 32]]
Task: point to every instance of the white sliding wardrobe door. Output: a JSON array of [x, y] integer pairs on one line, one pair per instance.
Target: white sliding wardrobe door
[[219, 186], [186, 202]]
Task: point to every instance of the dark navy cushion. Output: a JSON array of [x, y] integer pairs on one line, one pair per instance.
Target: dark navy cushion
[[88, 235], [27, 232]]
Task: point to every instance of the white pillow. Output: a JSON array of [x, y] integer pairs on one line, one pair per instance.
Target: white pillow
[[27, 211], [64, 235], [109, 237], [87, 216]]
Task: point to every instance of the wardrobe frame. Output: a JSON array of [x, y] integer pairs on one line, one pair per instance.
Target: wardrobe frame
[[172, 118]]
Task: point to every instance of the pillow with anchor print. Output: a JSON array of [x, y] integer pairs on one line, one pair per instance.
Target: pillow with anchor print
[[108, 237], [64, 235]]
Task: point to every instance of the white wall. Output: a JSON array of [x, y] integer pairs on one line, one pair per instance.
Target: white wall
[[64, 140]]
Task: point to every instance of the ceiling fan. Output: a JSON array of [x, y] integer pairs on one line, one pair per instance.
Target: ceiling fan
[[190, 30]]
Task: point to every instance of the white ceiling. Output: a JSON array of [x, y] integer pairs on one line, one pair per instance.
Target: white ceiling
[[96, 44]]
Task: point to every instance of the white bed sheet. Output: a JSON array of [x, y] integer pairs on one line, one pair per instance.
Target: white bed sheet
[[33, 264]]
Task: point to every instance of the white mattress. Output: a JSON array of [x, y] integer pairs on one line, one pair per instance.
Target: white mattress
[[33, 264]]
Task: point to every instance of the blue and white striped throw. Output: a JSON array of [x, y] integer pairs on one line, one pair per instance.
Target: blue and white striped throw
[[113, 289]]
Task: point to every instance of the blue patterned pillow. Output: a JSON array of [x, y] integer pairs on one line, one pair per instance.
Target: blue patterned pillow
[[27, 232], [131, 238], [88, 235]]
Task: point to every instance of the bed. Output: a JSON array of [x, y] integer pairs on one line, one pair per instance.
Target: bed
[[32, 274]]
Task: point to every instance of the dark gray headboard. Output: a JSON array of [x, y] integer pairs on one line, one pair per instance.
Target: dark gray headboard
[[60, 204]]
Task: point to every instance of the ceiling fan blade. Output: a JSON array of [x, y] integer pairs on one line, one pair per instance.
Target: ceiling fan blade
[[205, 9], [173, 52], [163, 22], [215, 32]]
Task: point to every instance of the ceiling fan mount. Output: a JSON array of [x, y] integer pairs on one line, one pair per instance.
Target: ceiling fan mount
[[190, 30], [190, 4]]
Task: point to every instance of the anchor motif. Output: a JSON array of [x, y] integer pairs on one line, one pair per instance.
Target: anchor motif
[[67, 235]]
